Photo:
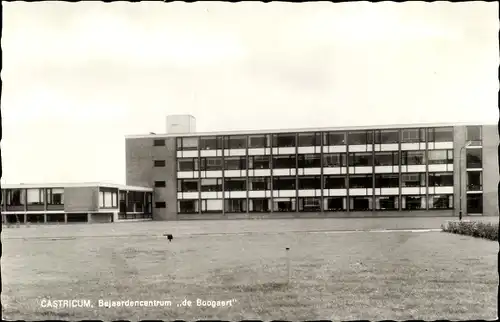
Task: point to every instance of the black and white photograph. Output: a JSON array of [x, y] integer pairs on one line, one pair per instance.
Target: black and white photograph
[[249, 161]]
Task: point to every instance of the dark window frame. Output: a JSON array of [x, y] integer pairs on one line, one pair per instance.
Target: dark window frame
[[204, 145], [432, 131], [341, 158], [181, 185], [279, 136], [353, 160], [305, 162], [159, 142], [360, 137], [306, 139], [194, 201], [160, 205], [394, 155], [334, 138], [381, 136], [160, 184], [195, 166], [229, 142], [407, 135], [159, 163]]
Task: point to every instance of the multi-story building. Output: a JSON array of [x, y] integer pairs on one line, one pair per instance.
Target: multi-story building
[[410, 170], [66, 203]]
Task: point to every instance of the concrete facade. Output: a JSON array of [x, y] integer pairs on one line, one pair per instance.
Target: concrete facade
[[81, 199], [490, 170], [142, 151], [86, 202]]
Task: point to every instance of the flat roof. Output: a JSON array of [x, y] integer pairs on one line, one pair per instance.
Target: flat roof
[[320, 129], [73, 185]]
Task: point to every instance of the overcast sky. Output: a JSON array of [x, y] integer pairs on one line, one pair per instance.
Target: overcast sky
[[78, 77]]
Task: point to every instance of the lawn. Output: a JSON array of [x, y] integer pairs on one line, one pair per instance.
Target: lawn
[[365, 275]]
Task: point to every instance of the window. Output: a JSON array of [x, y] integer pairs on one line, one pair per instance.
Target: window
[[235, 142], [474, 135], [108, 199], [211, 184], [159, 143], [159, 163], [335, 182], [55, 196], [15, 197], [333, 138], [413, 157], [188, 185], [309, 139], [284, 183], [361, 203], [187, 143], [258, 141], [335, 204], [386, 158], [235, 184], [474, 203], [440, 157], [284, 204], [386, 136], [413, 180], [259, 162], [440, 134], [187, 206], [387, 203], [413, 203], [284, 140], [474, 181], [309, 204], [259, 205], [360, 137], [235, 163], [235, 205], [440, 179], [309, 160], [334, 160], [284, 162], [441, 202], [187, 164], [160, 204], [136, 201], [259, 183], [386, 180], [160, 184], [412, 135], [361, 159], [474, 158], [211, 164], [360, 181], [211, 143], [211, 205], [35, 196], [312, 182]]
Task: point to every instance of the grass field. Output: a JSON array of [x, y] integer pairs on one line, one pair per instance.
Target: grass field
[[365, 275]]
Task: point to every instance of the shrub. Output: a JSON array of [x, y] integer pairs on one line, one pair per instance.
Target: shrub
[[472, 228]]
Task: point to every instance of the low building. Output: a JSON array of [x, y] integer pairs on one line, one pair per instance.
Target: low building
[[84, 202], [402, 170]]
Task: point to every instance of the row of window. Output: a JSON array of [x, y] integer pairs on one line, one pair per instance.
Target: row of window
[[107, 198], [473, 160], [17, 197], [313, 204], [435, 179], [390, 136]]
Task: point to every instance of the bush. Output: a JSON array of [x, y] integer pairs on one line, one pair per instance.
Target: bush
[[472, 228]]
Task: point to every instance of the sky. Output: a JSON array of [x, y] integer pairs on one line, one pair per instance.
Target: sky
[[78, 77]]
